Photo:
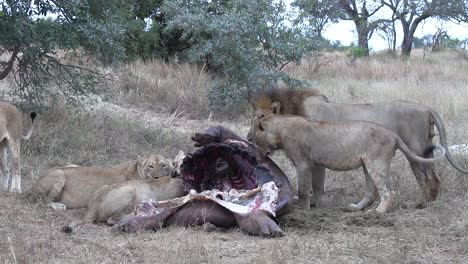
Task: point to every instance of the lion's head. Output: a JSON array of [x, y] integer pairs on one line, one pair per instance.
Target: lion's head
[[281, 101], [154, 166], [264, 136]]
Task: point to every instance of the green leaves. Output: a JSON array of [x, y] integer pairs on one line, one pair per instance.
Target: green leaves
[[53, 49], [248, 43]]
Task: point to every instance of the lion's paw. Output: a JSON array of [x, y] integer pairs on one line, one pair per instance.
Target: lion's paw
[[128, 225]]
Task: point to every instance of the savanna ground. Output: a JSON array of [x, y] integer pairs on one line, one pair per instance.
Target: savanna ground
[[155, 107]]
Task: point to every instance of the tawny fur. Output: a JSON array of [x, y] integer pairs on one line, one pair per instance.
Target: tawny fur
[[112, 203], [414, 123], [11, 129], [74, 186], [336, 145]]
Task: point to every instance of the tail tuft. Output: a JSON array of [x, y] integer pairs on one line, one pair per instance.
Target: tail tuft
[[66, 229], [33, 115]]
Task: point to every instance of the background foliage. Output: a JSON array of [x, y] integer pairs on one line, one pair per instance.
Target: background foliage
[[64, 49]]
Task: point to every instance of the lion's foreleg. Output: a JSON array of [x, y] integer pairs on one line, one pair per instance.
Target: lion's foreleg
[[139, 223], [304, 180], [370, 195]]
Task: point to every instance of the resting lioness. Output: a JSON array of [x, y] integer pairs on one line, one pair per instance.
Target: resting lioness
[[336, 145], [74, 186], [112, 202]]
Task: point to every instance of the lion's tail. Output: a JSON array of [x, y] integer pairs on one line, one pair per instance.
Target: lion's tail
[[30, 130], [443, 140], [412, 156], [72, 226]]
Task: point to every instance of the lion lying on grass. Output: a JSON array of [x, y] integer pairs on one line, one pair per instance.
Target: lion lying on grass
[[112, 203], [74, 186], [336, 145]]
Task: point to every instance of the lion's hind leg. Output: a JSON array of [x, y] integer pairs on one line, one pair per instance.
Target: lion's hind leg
[[426, 175], [50, 184], [370, 195], [428, 181], [4, 165], [14, 149], [378, 171]]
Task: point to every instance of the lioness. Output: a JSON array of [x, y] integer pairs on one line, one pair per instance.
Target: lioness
[[111, 203], [414, 123], [74, 186], [11, 129], [336, 145]]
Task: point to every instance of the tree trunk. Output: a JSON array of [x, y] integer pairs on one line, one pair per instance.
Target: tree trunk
[[408, 34], [363, 41], [406, 45], [407, 39]]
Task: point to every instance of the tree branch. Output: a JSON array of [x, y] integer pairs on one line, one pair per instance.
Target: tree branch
[[9, 67]]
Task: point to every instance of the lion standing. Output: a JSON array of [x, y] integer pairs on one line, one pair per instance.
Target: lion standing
[[11, 129], [413, 122], [336, 145]]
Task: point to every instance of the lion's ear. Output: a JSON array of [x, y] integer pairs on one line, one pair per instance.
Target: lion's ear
[[275, 107]]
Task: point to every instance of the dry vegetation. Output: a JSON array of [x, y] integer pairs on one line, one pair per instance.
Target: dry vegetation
[[153, 93], [179, 88]]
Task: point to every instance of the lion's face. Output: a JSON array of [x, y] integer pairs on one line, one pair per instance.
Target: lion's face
[[154, 166], [263, 137], [260, 109]]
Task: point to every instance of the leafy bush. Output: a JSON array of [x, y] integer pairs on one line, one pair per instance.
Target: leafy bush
[[355, 53], [247, 43], [48, 58]]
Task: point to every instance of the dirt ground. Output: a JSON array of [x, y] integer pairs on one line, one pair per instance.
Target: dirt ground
[[30, 231]]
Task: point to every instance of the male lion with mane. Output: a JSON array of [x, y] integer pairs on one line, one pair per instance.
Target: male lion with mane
[[74, 186], [11, 129], [414, 123], [340, 146]]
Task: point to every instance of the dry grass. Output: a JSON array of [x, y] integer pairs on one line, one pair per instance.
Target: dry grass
[[439, 81], [29, 231], [179, 89]]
